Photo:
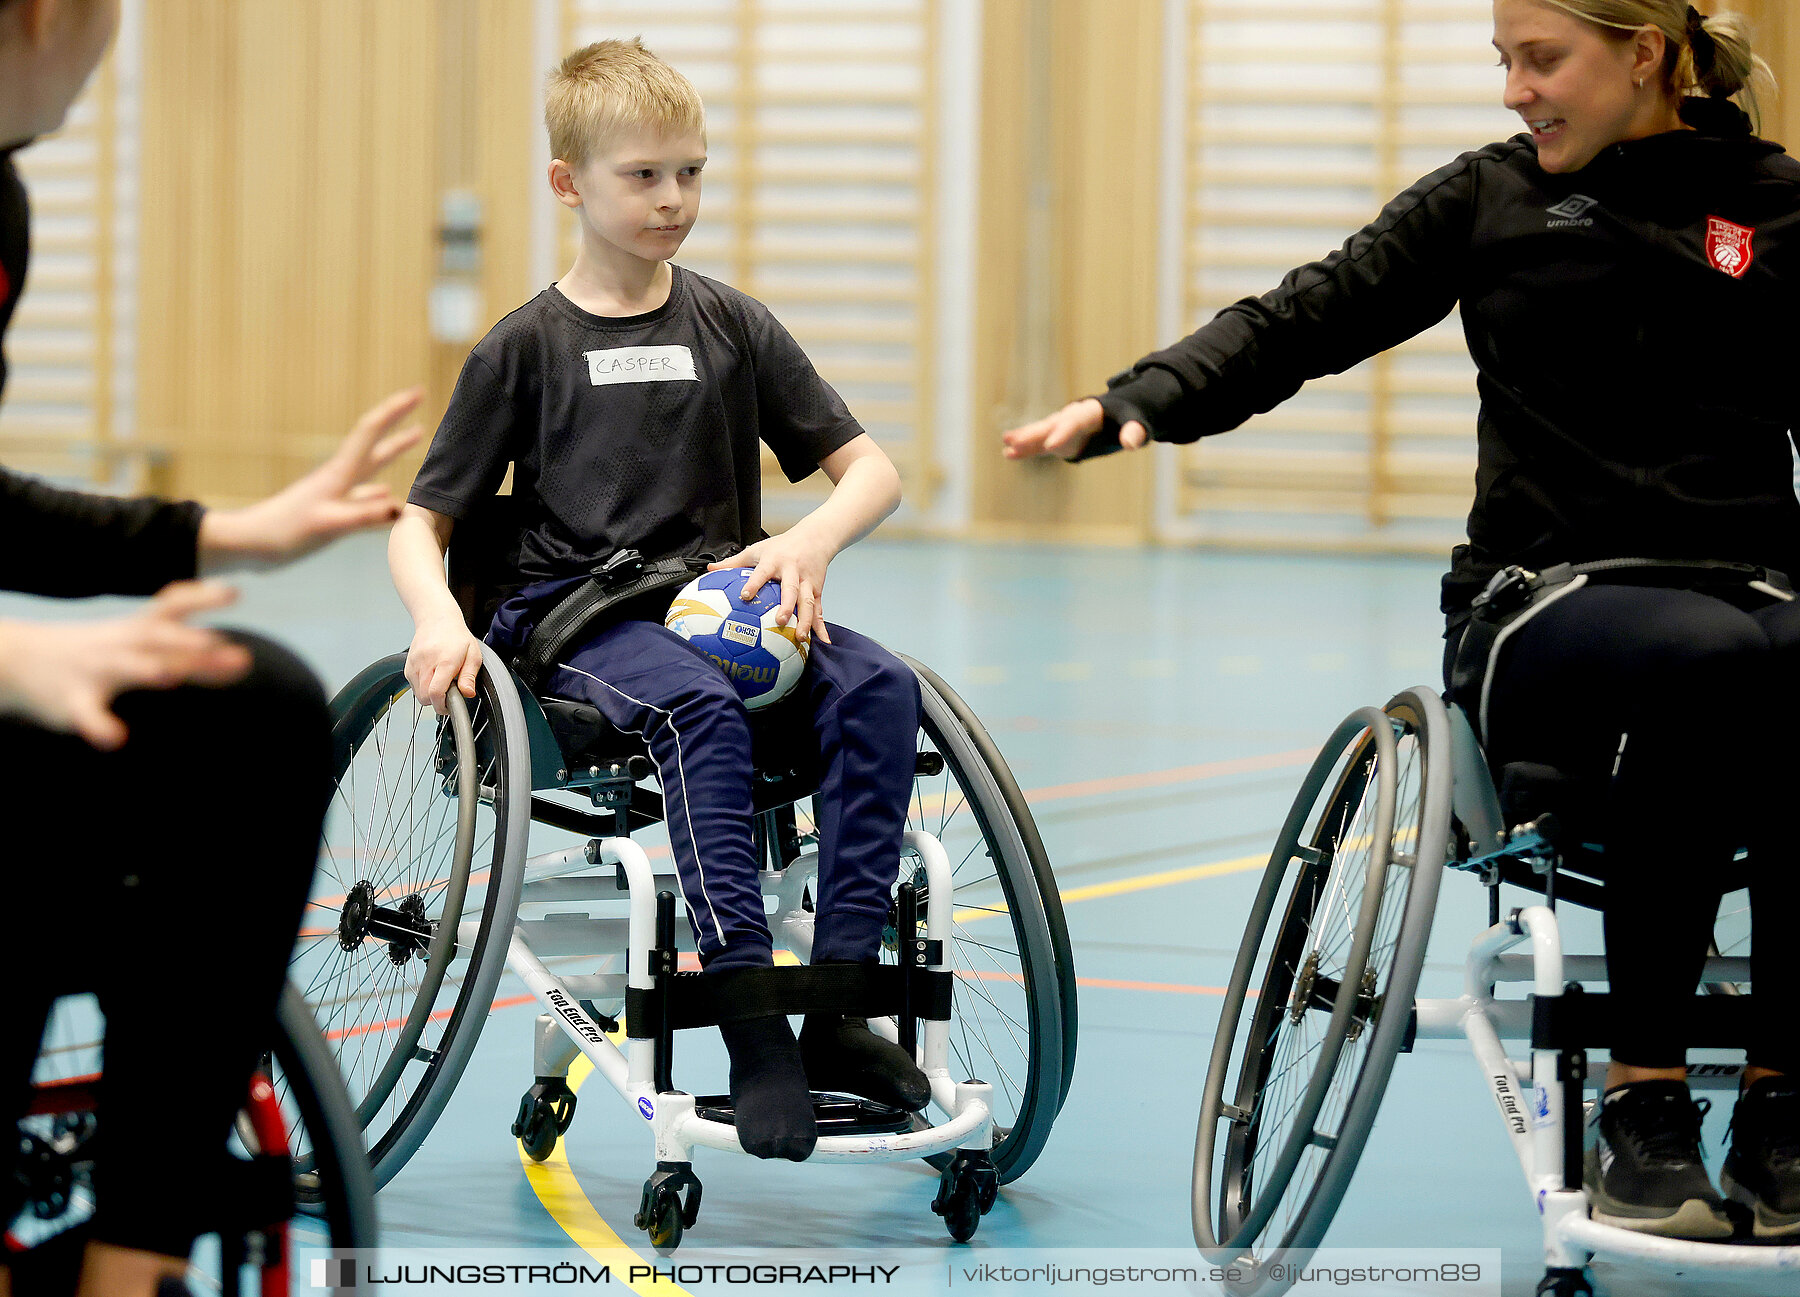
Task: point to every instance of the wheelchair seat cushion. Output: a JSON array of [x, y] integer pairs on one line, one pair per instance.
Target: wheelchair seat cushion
[[586, 737]]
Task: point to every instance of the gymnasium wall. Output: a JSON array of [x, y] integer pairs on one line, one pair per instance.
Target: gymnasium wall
[[264, 216]]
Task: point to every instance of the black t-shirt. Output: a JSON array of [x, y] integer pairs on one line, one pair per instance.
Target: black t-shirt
[[68, 542], [635, 432]]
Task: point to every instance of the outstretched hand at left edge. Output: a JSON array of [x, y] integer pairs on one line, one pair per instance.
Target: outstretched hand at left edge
[[333, 500]]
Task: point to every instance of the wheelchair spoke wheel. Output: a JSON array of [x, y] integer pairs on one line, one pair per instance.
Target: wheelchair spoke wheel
[[406, 931], [338, 1191], [332, 1177], [1013, 1021], [1291, 1094]]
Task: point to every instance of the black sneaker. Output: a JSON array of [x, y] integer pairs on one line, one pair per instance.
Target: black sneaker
[[1763, 1168], [1643, 1169]]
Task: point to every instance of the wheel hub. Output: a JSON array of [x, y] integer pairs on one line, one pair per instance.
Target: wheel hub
[[890, 928], [353, 920], [1304, 985], [404, 926], [408, 933]]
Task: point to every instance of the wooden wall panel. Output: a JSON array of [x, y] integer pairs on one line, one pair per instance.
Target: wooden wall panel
[[59, 416], [293, 159], [1071, 130], [1778, 40]]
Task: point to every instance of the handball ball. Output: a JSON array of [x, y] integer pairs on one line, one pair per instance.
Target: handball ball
[[764, 660]]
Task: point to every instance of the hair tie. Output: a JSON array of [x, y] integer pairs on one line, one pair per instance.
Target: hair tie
[[1706, 50]]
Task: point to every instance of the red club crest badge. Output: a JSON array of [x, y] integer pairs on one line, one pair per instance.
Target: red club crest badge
[[1729, 247]]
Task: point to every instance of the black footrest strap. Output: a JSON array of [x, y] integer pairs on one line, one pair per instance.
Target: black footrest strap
[[855, 990]]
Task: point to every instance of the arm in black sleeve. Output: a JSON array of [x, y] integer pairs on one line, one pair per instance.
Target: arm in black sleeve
[[799, 415], [467, 459], [1395, 278], [69, 543]]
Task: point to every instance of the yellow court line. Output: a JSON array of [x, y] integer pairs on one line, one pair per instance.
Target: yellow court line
[[554, 1182], [1122, 885], [1167, 877]]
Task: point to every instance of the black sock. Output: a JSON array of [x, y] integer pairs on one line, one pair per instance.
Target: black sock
[[769, 1093], [843, 1054]]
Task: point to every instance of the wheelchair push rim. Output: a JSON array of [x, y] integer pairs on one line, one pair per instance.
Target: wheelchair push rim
[[1280, 1190], [425, 835], [1014, 1011]]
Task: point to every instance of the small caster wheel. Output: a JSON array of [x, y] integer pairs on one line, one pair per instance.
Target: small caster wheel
[[1564, 1283], [538, 1136], [662, 1212], [665, 1223], [966, 1191], [544, 1115], [962, 1215]]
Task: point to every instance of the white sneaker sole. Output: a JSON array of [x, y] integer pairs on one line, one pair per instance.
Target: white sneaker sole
[[1694, 1220], [1769, 1224]]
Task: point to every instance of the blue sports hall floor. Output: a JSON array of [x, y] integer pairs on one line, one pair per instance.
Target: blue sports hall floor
[[1196, 686]]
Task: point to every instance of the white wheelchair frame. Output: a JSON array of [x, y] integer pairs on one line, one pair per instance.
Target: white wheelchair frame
[[565, 1029], [1539, 1097], [611, 873]]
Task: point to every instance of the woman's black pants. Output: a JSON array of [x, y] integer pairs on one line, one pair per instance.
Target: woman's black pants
[[168, 878], [1680, 712]]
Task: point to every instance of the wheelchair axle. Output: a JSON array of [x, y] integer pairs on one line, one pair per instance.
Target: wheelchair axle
[[404, 926], [1314, 990]]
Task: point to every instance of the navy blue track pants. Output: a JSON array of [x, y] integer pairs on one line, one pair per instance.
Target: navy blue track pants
[[853, 718]]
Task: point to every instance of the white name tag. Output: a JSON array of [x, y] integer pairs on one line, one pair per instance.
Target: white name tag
[[641, 365]]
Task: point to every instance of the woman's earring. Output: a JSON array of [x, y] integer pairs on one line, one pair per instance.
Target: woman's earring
[[1639, 83]]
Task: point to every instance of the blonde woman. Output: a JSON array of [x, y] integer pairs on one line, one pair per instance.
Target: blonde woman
[[1627, 272]]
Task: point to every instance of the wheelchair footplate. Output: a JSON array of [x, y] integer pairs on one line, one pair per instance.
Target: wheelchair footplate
[[835, 1114], [908, 1001]]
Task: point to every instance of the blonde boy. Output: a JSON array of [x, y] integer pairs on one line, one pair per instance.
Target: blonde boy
[[630, 399]]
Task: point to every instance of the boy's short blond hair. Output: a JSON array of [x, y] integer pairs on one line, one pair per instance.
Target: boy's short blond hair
[[613, 86]]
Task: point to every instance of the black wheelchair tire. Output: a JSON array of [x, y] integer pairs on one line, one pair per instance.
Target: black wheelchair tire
[[339, 1185], [1302, 1187], [393, 1130], [1018, 813], [1033, 1092], [337, 1188]]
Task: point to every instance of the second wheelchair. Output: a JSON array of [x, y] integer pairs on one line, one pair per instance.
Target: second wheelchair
[[1322, 1000]]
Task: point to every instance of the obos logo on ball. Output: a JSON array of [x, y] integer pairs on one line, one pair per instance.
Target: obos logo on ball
[[763, 659]]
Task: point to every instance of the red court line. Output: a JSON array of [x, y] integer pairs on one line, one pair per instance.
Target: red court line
[[1171, 988]]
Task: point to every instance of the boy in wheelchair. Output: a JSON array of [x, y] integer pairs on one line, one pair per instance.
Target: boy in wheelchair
[[629, 399]]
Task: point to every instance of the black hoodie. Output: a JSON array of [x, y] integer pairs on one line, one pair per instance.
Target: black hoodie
[[1635, 324], [68, 542]]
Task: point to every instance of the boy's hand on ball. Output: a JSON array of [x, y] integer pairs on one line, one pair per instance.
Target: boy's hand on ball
[[1065, 433], [798, 564]]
